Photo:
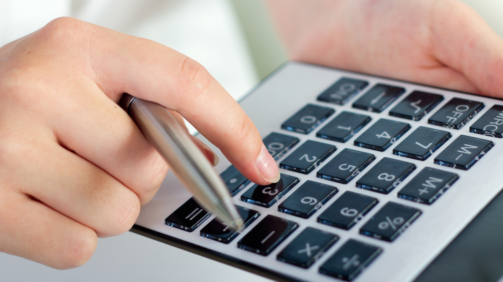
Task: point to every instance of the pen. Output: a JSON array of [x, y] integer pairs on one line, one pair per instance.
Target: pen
[[189, 164]]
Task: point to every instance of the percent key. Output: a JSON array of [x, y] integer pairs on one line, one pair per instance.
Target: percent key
[[391, 221]]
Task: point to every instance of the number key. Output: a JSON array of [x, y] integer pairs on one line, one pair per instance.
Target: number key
[[307, 157], [307, 199], [267, 195], [385, 175], [346, 211], [343, 127], [279, 144], [345, 166], [307, 118], [422, 143], [382, 134]]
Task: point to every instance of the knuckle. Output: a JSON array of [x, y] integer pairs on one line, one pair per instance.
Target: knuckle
[[194, 78], [79, 251], [64, 27], [155, 174], [124, 214]]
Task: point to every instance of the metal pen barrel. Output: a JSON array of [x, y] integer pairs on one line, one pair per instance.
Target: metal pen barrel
[[189, 164]]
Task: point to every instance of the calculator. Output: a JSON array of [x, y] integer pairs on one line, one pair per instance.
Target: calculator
[[378, 176]]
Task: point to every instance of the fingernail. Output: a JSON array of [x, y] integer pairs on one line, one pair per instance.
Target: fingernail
[[212, 157], [267, 166]]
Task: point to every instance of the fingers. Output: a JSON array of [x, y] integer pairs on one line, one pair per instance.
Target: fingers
[[98, 130], [73, 187], [463, 41], [154, 72], [34, 231]]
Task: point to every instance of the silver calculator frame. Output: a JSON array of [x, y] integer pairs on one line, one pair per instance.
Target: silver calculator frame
[[450, 223]]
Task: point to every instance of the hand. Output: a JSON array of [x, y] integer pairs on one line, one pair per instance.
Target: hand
[[436, 42], [73, 165]]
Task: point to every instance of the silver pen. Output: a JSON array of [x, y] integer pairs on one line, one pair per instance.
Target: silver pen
[[189, 164]]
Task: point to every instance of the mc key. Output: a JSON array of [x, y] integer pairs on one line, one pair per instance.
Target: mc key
[[391, 221]]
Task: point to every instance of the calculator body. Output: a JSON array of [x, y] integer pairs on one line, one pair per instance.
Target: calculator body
[[419, 241]]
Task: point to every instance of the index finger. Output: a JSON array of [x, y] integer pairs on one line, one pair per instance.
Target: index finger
[[157, 73]]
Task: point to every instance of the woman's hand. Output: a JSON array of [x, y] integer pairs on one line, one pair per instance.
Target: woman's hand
[[73, 165], [437, 42]]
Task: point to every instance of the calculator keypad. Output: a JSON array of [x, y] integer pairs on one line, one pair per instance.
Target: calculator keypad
[[428, 185], [382, 134], [267, 235], [491, 123], [416, 105], [307, 118], [342, 91], [346, 211], [345, 166], [385, 175], [307, 157], [464, 152], [222, 233], [343, 127], [308, 247], [307, 199], [351, 259], [378, 98], [234, 180], [319, 207], [267, 195], [421, 143], [188, 216], [456, 113], [389, 222], [279, 144]]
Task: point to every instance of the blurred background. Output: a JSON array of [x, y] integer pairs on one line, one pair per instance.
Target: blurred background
[[235, 40]]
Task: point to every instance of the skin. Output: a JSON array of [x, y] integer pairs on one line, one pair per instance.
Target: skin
[[437, 42], [74, 165]]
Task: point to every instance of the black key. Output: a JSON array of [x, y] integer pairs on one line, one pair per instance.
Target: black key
[[385, 175], [343, 127], [267, 195], [382, 134], [345, 166], [378, 98], [267, 235], [489, 124], [350, 260], [421, 143], [464, 152], [342, 91], [428, 185], [391, 221], [188, 216], [307, 118], [456, 113], [416, 105], [346, 211], [308, 247], [307, 199], [279, 144], [234, 180], [222, 233], [307, 157]]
